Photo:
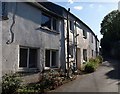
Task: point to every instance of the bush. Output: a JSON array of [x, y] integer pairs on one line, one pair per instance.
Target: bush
[[90, 67], [10, 83], [100, 58], [51, 80]]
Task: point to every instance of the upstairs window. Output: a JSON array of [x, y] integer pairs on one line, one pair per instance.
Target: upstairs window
[[54, 24], [46, 21], [49, 22], [4, 11], [84, 34], [91, 38], [70, 25]]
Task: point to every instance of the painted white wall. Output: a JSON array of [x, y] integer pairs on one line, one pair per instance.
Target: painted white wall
[[26, 33]]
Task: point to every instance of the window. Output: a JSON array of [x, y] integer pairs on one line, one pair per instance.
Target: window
[[92, 53], [54, 24], [71, 25], [4, 11], [85, 54], [84, 34], [50, 58], [49, 22], [28, 58], [91, 38], [46, 21], [71, 50]]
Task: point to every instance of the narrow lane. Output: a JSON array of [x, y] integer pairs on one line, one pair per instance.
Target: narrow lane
[[105, 79]]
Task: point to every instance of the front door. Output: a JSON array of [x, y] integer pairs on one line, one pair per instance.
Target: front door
[[78, 58]]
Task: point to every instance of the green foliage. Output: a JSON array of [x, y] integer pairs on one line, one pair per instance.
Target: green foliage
[[10, 83], [100, 59], [110, 30], [90, 67], [50, 80]]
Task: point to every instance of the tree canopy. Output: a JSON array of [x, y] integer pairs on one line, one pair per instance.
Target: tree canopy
[[110, 29]]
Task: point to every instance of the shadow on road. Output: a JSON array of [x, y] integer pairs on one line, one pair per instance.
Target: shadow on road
[[115, 65]]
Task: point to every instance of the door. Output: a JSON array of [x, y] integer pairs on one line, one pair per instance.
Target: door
[[78, 58]]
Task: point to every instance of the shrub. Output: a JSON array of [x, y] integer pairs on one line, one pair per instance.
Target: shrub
[[91, 60], [100, 58], [10, 83], [90, 67]]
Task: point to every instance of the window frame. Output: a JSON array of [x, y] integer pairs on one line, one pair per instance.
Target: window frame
[[91, 38], [50, 63], [28, 58], [4, 13], [84, 34], [85, 53], [52, 25], [92, 53], [70, 23]]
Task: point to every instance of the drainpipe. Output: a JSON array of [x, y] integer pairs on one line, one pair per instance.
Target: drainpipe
[[76, 43], [11, 34], [68, 42], [76, 35]]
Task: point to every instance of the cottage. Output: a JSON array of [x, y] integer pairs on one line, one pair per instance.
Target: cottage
[[83, 43], [38, 36], [30, 37]]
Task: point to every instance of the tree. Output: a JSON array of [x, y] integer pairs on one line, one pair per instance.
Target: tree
[[110, 29]]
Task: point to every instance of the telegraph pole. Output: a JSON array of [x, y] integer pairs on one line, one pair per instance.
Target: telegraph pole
[[68, 42]]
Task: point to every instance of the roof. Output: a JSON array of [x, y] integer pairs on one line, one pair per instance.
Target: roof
[[59, 10], [39, 6]]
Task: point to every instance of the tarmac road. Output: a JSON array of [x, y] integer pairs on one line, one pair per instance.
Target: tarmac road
[[105, 79]]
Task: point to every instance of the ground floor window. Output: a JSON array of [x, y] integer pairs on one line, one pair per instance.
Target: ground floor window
[[28, 58], [85, 54], [51, 58], [92, 53]]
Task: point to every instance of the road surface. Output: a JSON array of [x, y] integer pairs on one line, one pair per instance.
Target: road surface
[[105, 79]]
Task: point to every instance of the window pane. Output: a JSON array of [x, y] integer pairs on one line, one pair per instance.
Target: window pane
[[84, 34], [54, 58], [33, 58], [92, 52], [46, 21], [54, 24], [92, 38], [70, 25], [4, 9], [47, 58], [23, 57], [85, 54]]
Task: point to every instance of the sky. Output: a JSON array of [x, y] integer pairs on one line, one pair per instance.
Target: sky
[[91, 12]]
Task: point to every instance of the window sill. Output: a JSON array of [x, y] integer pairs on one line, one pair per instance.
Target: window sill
[[4, 18], [44, 28], [49, 68], [84, 37], [28, 70]]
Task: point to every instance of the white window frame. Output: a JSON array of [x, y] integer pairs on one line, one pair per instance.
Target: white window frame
[[57, 22], [84, 34], [28, 50], [56, 66]]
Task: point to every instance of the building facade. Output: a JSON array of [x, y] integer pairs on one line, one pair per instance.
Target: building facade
[[34, 38], [30, 38]]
